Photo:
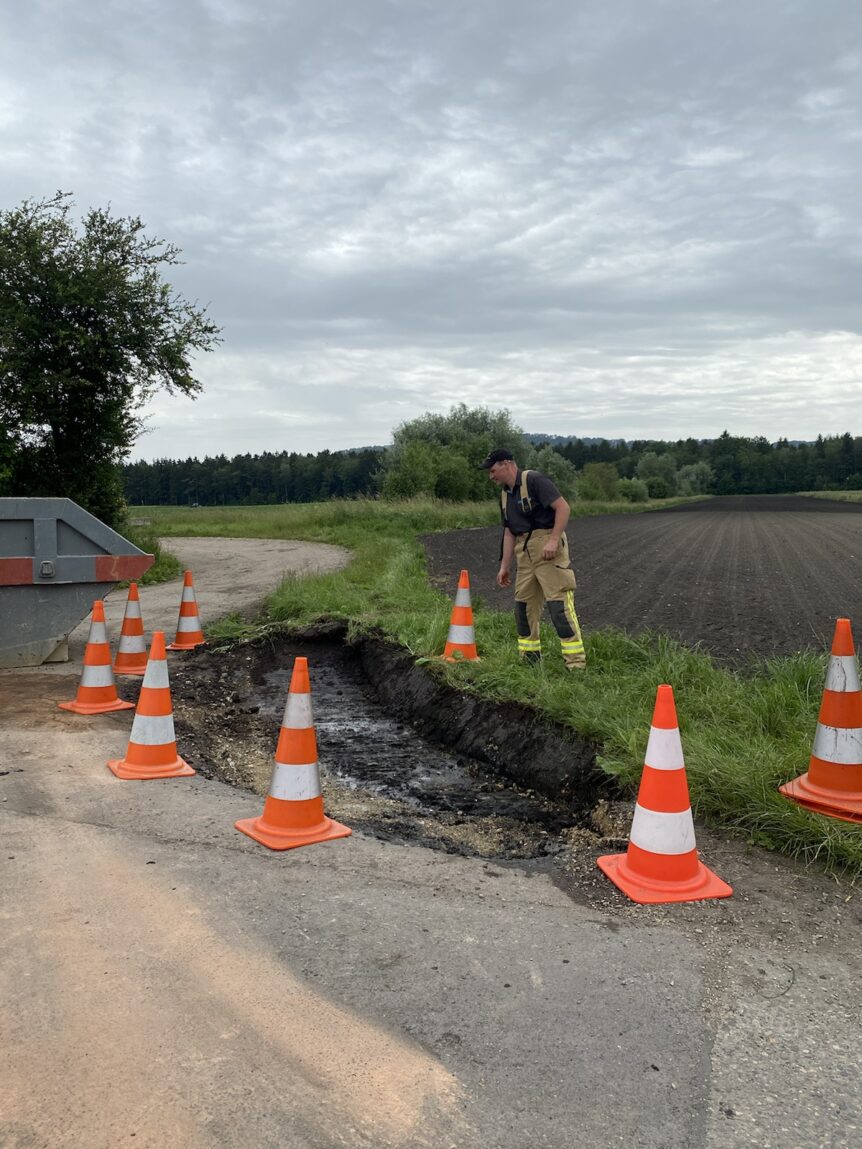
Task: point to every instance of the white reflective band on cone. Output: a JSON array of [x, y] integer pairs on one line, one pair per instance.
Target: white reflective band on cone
[[97, 633], [664, 749], [153, 729], [461, 635], [662, 833], [133, 609], [97, 676], [156, 674], [462, 596], [131, 644], [839, 744], [188, 594], [295, 783], [192, 622], [843, 673], [297, 712]]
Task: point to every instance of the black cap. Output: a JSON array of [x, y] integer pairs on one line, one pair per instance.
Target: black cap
[[501, 455]]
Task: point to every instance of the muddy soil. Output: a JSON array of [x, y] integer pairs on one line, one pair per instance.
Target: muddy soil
[[744, 577], [403, 756]]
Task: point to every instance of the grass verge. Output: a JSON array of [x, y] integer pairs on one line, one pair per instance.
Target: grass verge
[[166, 565], [742, 735], [835, 496]]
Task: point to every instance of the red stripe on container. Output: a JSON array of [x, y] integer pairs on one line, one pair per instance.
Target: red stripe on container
[[16, 572], [121, 568]]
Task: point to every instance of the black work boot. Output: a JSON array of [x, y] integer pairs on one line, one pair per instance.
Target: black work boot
[[532, 657]]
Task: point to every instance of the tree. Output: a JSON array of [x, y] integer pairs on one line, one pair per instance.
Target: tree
[[654, 466], [694, 479], [88, 331], [559, 469], [440, 454], [598, 482]]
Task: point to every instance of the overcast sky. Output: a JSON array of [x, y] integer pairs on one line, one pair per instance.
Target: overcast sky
[[614, 217]]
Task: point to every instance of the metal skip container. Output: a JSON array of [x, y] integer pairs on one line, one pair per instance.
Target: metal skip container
[[55, 559]]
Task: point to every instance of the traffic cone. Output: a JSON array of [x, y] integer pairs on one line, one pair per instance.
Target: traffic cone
[[152, 749], [833, 782], [189, 633], [132, 649], [461, 642], [293, 812], [97, 690], [661, 863]]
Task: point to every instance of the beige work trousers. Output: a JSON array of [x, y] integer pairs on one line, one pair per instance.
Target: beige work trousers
[[552, 581]]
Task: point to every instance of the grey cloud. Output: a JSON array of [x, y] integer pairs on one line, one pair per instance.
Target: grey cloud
[[472, 187]]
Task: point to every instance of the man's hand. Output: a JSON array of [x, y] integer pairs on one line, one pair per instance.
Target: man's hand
[[549, 550], [503, 577]]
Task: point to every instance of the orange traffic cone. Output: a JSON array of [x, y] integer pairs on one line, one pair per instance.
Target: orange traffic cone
[[293, 812], [461, 642], [97, 690], [833, 783], [132, 650], [152, 749], [661, 864], [189, 632]]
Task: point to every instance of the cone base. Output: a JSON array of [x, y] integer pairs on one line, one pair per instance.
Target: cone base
[[652, 892], [185, 645], [275, 839], [458, 655], [96, 707], [841, 804], [126, 770]]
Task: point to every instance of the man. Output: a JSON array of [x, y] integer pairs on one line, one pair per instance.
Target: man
[[534, 531]]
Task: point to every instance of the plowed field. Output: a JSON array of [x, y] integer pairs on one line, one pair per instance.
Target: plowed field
[[746, 576]]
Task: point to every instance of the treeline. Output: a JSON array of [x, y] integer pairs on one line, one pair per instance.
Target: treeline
[[728, 465], [437, 455], [282, 477]]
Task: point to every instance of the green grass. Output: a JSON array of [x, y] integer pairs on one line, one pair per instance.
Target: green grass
[[743, 734], [840, 496], [166, 565]]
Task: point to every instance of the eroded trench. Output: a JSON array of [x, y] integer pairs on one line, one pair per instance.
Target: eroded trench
[[403, 755]]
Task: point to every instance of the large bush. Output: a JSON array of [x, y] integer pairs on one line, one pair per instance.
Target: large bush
[[653, 466], [598, 482], [440, 454], [694, 479], [633, 490], [556, 467]]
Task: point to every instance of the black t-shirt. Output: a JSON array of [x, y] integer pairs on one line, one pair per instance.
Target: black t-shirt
[[541, 492]]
